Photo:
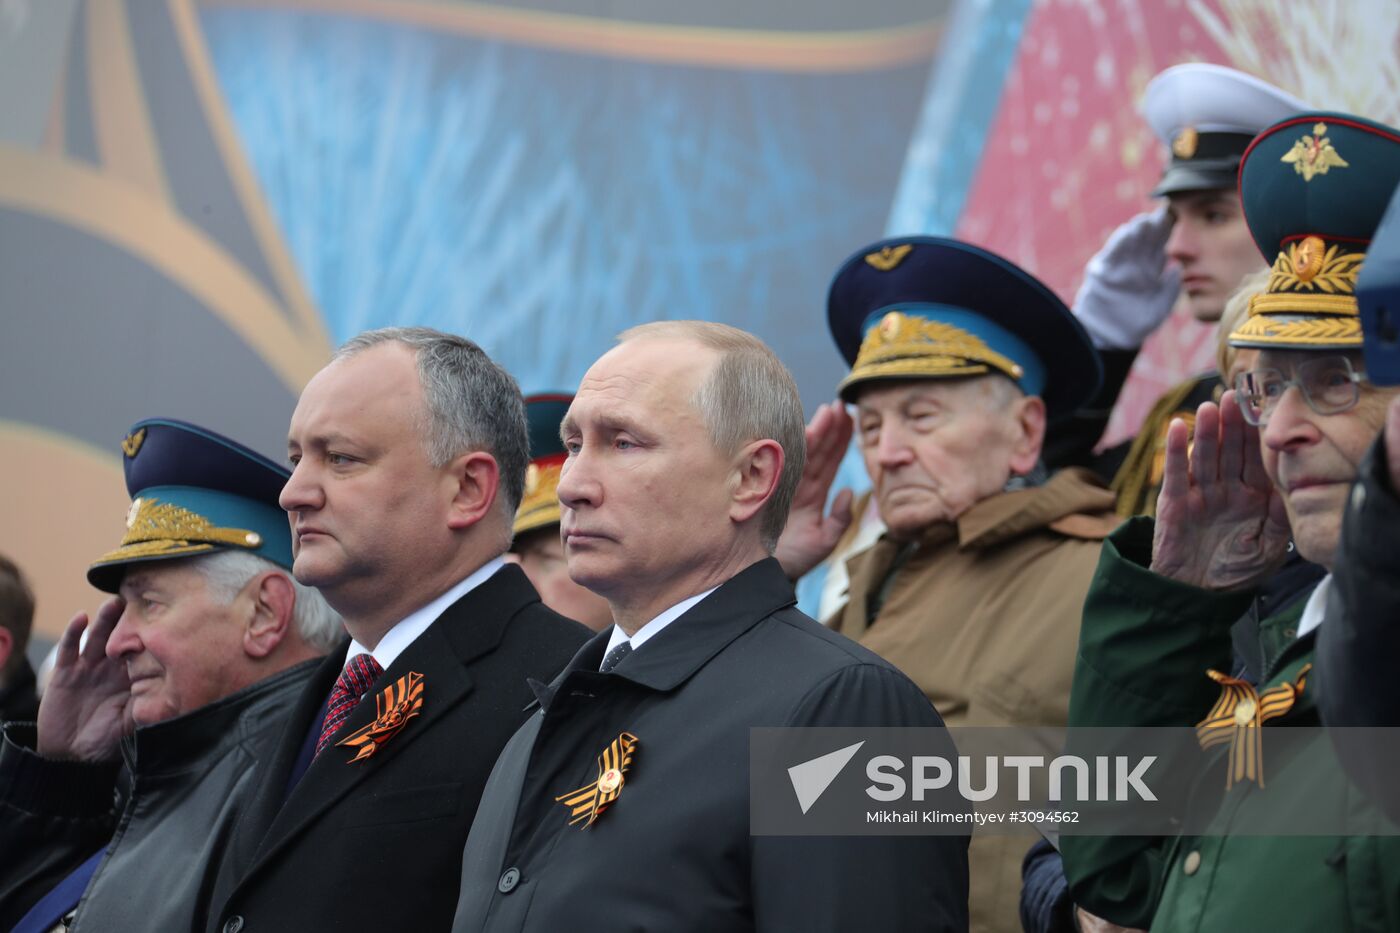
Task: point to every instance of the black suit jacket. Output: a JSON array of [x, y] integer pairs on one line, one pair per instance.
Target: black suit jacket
[[674, 853], [377, 844]]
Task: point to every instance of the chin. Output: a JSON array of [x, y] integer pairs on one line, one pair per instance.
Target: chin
[[1206, 310]]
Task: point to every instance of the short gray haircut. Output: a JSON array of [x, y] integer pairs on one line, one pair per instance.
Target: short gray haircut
[[749, 395], [472, 403], [226, 573]]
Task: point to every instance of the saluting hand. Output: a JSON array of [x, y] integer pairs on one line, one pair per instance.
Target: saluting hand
[[1221, 524], [86, 706], [811, 533]]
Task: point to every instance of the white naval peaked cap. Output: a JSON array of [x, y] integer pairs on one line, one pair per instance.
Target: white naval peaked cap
[[1207, 115]]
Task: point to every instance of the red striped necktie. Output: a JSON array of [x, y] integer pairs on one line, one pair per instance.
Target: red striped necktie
[[360, 672]]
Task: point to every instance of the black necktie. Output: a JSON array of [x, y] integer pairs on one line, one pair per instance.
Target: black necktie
[[615, 656]]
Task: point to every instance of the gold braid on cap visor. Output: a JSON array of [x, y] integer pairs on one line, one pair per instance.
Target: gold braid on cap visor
[[159, 528], [539, 505], [1310, 300], [905, 345]]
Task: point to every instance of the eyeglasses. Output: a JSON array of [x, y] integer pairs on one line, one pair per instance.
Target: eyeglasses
[[1329, 385]]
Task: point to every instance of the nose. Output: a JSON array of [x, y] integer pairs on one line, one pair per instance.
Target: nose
[[302, 492], [124, 640], [1183, 245], [578, 483], [1291, 423], [892, 449]]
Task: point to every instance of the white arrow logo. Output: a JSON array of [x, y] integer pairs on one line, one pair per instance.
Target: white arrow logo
[[811, 778]]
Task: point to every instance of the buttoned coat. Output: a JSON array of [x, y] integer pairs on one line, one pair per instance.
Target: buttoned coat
[[376, 844], [1146, 644], [674, 852]]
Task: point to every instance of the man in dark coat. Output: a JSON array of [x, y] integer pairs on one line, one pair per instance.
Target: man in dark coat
[[409, 453], [105, 828], [623, 803]]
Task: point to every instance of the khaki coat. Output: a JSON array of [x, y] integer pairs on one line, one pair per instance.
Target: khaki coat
[[983, 614]]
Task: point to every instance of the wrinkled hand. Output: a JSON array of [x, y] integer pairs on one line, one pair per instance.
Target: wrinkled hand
[[1088, 923], [86, 706], [1128, 289], [811, 534], [1221, 524]]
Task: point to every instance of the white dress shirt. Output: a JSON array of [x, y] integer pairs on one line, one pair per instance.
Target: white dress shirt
[[1316, 607], [416, 623], [655, 625]]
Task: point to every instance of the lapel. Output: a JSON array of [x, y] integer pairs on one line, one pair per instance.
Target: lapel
[[470, 628]]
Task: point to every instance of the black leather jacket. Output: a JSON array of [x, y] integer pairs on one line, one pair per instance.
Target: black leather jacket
[[163, 812]]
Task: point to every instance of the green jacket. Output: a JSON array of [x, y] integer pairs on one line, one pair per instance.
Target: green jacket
[[1144, 648]]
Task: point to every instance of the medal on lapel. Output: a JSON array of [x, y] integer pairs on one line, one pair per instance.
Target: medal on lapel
[[396, 704], [588, 803], [1237, 717]]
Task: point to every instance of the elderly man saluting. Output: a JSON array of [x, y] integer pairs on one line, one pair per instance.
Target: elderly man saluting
[[959, 360], [684, 447], [1171, 598], [208, 641]]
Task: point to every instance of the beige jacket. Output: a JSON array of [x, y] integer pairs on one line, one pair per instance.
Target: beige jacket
[[983, 614]]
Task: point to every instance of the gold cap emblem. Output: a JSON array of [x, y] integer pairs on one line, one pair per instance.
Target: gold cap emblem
[[1314, 155], [1185, 143], [131, 444], [1307, 258], [889, 256]]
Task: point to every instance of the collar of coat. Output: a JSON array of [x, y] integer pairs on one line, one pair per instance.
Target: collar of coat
[[688, 643], [1072, 503], [171, 745]]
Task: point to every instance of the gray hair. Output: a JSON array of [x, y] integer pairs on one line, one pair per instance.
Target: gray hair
[[226, 573], [749, 395], [472, 403]]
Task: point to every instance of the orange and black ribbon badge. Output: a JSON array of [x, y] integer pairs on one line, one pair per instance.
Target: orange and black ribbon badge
[[588, 803], [397, 704], [1237, 717]]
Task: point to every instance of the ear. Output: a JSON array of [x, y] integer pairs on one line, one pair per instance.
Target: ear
[[757, 468], [476, 479], [7, 645], [273, 598], [1030, 434]]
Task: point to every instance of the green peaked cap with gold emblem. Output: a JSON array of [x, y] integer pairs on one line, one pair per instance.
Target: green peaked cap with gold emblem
[[1314, 188], [195, 492]]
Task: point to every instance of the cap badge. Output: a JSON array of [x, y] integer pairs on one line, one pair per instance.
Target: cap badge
[[889, 256], [1307, 258], [1185, 142], [131, 444], [395, 705], [532, 479], [1314, 155], [588, 803], [1310, 265], [136, 505]]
